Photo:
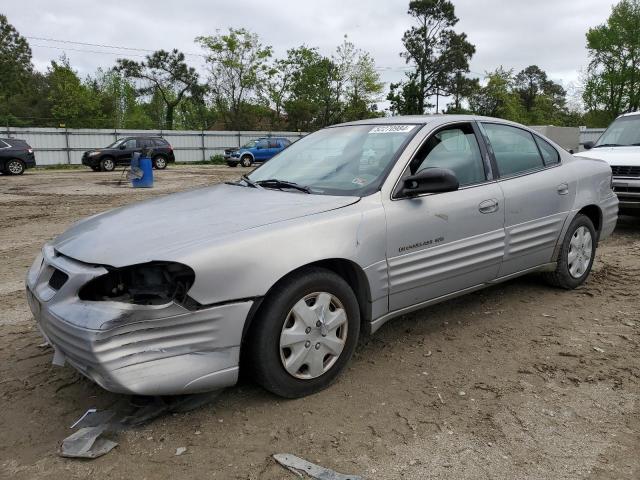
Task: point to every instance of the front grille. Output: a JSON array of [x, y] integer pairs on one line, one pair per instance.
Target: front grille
[[622, 171], [618, 189], [58, 279]]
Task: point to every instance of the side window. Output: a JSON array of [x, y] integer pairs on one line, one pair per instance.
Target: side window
[[145, 143], [455, 148], [262, 144], [130, 144], [274, 144], [549, 154], [515, 149], [4, 145], [159, 142]]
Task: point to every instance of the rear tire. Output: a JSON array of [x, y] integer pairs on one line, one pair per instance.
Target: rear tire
[[107, 164], [576, 255], [14, 166], [305, 333], [246, 161]]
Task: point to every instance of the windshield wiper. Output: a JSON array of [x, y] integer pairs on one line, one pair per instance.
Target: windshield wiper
[[608, 145], [245, 179], [275, 183]]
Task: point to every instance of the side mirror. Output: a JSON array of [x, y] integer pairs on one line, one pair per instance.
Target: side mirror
[[122, 146], [588, 145], [430, 180]]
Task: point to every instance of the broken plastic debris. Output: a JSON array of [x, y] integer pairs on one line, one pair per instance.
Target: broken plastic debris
[[87, 443], [58, 358], [88, 412], [298, 466], [180, 450], [598, 349]]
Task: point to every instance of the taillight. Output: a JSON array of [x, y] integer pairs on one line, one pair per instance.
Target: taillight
[[30, 150]]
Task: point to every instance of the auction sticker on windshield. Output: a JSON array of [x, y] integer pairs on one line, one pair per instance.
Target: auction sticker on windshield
[[392, 129]]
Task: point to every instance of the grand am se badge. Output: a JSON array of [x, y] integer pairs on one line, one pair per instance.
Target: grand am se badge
[[426, 243]]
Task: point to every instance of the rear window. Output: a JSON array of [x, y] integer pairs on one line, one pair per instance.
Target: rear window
[[160, 142]]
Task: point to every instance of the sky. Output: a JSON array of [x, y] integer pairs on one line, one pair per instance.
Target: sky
[[511, 33]]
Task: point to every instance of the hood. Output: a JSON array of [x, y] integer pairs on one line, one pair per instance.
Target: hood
[[615, 156], [166, 227]]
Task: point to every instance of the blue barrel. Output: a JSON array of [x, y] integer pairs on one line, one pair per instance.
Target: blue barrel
[[144, 164]]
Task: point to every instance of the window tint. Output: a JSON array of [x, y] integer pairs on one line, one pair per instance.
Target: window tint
[[285, 142], [262, 144], [130, 143], [3, 144], [145, 143], [274, 144], [456, 149], [515, 150], [160, 142], [549, 154]]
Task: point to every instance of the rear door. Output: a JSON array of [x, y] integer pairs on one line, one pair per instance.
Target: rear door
[[438, 244], [538, 195]]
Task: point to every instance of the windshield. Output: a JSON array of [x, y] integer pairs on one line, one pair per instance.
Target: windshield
[[115, 144], [349, 160], [250, 144], [623, 132]]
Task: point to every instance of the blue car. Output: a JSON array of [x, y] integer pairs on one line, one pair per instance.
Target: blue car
[[257, 151]]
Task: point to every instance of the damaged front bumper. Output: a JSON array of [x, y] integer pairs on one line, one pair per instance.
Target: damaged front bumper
[[133, 349]]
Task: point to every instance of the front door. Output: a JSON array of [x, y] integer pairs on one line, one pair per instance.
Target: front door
[[438, 244], [126, 153]]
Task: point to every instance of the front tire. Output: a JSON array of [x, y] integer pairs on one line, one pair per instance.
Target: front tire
[[15, 166], [576, 255], [305, 334], [246, 161], [160, 163], [107, 164]]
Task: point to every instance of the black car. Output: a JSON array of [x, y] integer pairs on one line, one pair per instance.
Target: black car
[[15, 156], [120, 153]]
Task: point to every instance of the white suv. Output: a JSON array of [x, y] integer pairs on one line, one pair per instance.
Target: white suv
[[619, 146]]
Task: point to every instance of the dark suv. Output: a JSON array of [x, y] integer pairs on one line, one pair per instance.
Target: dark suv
[[15, 156], [121, 151]]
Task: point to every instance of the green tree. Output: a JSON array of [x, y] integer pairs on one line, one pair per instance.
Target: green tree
[[72, 103], [613, 84], [532, 83], [238, 72], [496, 98], [435, 51], [164, 75], [16, 70]]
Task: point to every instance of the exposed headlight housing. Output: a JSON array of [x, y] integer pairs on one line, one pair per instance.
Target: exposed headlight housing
[[153, 283]]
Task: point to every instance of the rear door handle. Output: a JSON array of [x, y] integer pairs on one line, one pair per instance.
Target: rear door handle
[[488, 206], [563, 189]]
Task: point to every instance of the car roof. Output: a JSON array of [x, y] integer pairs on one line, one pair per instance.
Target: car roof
[[424, 119]]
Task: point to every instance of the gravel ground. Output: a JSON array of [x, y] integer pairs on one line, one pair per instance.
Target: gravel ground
[[516, 381]]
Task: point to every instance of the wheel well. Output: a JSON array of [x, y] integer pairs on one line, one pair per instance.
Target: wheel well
[[595, 215], [349, 271]]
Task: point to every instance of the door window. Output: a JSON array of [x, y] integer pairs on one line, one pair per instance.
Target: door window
[[515, 149], [130, 144], [455, 148], [262, 144]]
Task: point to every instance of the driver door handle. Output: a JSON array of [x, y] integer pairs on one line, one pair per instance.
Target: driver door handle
[[488, 206]]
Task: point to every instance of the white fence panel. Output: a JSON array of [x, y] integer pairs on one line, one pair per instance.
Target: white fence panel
[[54, 146]]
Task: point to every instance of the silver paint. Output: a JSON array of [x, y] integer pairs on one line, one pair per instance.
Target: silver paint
[[241, 241]]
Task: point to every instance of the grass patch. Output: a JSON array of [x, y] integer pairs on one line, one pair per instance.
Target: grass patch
[[60, 166], [213, 160]]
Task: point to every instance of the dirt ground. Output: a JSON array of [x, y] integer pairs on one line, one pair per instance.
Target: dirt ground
[[517, 381]]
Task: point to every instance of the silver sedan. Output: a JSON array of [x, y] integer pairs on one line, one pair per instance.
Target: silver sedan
[[280, 272]]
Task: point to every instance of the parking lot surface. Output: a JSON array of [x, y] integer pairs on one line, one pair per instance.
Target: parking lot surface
[[516, 381]]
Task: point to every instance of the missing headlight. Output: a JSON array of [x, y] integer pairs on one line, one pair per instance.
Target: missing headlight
[[154, 283]]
